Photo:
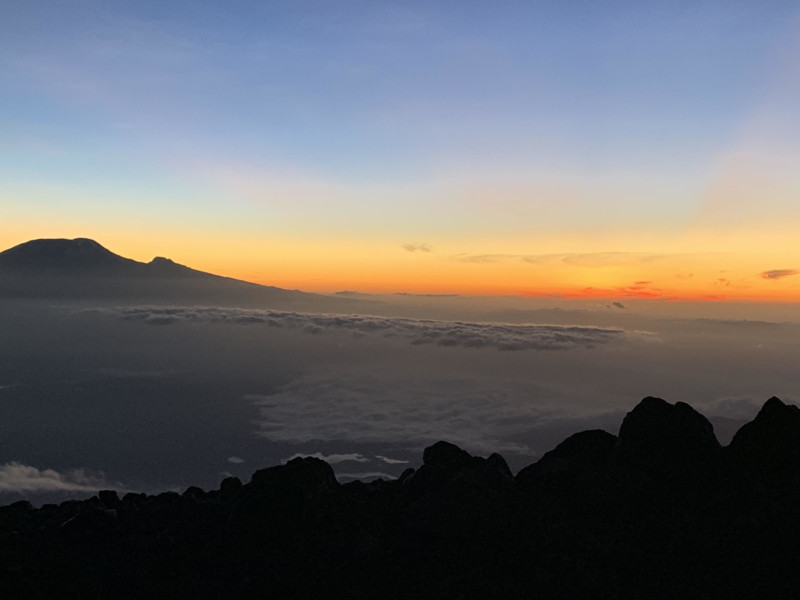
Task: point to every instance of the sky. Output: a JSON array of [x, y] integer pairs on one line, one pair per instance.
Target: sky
[[551, 149]]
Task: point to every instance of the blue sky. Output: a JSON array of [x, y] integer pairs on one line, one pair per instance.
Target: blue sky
[[302, 81]]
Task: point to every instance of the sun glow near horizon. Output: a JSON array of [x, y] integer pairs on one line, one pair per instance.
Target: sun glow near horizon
[[373, 266]]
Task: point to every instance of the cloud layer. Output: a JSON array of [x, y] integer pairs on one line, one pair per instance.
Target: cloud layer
[[442, 333], [366, 408], [17, 477]]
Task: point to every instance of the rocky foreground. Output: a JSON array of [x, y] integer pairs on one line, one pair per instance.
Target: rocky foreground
[[661, 511]]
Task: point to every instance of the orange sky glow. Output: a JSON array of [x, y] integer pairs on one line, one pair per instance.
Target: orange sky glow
[[741, 267]]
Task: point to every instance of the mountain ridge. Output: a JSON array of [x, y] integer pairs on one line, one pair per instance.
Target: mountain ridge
[[83, 269], [86, 257], [585, 521]]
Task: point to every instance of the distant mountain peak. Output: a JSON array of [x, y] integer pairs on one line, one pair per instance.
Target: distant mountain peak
[[83, 269], [80, 242], [160, 260], [60, 254], [58, 245], [160, 263]]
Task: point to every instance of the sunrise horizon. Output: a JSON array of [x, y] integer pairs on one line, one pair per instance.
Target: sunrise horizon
[[684, 277], [625, 151], [400, 299]]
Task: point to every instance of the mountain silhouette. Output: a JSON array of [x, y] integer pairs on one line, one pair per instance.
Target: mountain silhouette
[[82, 269], [78, 256]]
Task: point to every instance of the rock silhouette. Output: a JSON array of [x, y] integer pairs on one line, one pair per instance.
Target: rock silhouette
[[580, 457], [661, 511], [81, 269], [770, 444], [660, 435]]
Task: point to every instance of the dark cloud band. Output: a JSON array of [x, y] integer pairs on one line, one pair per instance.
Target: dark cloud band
[[499, 336]]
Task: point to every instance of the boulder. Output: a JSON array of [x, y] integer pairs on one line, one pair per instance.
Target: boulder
[[659, 436], [305, 476]]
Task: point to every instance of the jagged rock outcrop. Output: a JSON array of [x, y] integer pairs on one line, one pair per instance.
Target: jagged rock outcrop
[[291, 490], [446, 464], [657, 435], [581, 456], [770, 444], [659, 512]]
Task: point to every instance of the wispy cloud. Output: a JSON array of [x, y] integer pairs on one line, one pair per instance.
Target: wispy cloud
[[486, 258], [391, 461], [350, 293], [575, 259], [639, 289], [365, 475], [332, 459], [17, 477], [779, 273], [598, 259], [417, 247], [426, 295], [498, 336]]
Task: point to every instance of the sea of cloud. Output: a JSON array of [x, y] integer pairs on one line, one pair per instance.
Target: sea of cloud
[[155, 397], [409, 412]]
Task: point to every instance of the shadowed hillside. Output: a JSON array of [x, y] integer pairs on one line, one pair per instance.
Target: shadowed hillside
[[660, 511]]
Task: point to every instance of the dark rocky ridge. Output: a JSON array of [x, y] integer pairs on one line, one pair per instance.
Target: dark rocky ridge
[[662, 511]]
